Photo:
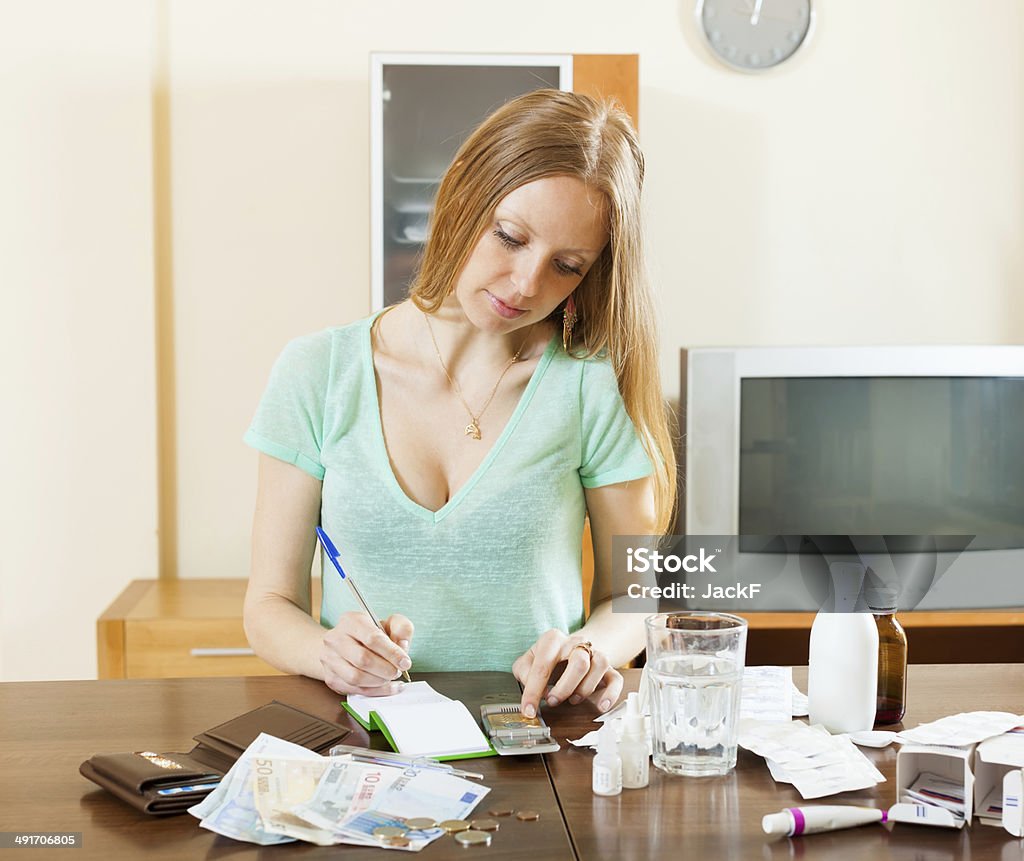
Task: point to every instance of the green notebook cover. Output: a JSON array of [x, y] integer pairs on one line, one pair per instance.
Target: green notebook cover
[[369, 727]]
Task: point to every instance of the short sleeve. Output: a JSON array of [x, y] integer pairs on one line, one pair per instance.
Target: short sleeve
[[611, 449], [289, 420]]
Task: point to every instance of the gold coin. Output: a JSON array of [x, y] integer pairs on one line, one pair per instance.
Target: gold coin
[[484, 824], [454, 825], [400, 842], [420, 823], [501, 811], [473, 838], [385, 831], [528, 815]]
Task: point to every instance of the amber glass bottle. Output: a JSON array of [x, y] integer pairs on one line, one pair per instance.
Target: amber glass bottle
[[892, 657]]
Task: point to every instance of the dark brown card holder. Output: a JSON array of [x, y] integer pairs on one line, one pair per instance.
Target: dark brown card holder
[[136, 778], [221, 745]]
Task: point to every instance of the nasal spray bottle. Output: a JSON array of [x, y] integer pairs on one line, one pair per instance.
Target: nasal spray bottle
[[842, 675], [633, 750], [607, 764]]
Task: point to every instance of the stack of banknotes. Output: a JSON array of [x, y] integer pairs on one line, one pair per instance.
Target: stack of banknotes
[[278, 792]]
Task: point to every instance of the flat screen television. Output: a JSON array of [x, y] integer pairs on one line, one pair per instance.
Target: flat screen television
[[907, 460]]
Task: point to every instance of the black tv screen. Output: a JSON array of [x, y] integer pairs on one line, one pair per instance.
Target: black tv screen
[[883, 456]]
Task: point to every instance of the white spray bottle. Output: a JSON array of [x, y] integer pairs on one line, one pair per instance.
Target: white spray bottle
[[633, 749], [607, 779]]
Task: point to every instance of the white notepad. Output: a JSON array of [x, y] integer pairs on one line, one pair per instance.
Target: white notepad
[[419, 721], [412, 694]]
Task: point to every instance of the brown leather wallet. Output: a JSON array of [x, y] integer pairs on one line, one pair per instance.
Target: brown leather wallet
[[161, 783], [158, 783]]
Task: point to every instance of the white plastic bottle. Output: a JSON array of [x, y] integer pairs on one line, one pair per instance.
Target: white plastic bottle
[[633, 750], [607, 778], [842, 673]]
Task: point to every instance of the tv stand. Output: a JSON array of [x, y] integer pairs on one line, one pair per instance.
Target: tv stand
[[933, 636]]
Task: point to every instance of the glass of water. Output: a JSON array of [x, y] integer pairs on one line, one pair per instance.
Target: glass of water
[[695, 668]]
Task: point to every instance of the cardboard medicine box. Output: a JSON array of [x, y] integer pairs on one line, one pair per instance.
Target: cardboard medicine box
[[995, 762], [999, 764], [953, 763]]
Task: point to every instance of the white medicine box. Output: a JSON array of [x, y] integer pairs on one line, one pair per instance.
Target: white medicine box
[[998, 768], [952, 763]]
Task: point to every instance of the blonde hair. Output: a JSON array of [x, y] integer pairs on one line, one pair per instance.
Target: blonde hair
[[554, 133]]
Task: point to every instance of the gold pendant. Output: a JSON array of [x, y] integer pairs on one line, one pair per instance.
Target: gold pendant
[[473, 430]]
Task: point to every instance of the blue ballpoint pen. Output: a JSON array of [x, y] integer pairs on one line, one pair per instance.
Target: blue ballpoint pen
[[332, 554]]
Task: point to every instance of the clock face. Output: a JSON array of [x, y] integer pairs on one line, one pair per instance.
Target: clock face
[[751, 35]]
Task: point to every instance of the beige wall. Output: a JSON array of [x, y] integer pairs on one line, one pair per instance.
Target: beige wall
[[77, 438], [870, 191]]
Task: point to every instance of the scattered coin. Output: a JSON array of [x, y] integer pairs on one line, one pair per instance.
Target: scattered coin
[[473, 838], [501, 811], [484, 824], [398, 842], [384, 831], [528, 815], [454, 825], [420, 823]]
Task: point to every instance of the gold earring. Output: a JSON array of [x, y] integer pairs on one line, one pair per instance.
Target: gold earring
[[568, 321]]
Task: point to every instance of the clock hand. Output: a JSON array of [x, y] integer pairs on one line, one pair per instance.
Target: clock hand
[[762, 17], [756, 15]]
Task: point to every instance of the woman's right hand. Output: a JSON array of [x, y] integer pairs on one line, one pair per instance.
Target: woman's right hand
[[358, 659]]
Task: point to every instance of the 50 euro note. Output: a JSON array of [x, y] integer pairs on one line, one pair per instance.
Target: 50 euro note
[[279, 784], [230, 809]]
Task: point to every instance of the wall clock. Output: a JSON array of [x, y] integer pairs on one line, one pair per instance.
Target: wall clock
[[754, 35]]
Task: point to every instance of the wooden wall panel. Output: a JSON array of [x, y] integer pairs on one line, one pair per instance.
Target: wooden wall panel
[[603, 75]]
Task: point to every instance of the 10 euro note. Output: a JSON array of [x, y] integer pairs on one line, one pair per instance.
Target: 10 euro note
[[346, 789], [426, 793]]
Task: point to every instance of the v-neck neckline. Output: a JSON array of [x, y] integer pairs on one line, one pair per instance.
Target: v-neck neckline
[[370, 382]]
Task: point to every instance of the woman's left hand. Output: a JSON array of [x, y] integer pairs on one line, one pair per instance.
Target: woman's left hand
[[587, 673]]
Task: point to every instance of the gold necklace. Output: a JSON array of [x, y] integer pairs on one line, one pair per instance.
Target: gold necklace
[[473, 428]]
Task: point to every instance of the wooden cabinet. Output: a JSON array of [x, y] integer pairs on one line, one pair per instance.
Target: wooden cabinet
[[178, 628]]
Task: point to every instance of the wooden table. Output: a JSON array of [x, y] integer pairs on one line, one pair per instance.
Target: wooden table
[[48, 728], [720, 817]]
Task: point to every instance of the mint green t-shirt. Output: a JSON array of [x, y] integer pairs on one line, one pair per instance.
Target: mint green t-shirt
[[500, 562]]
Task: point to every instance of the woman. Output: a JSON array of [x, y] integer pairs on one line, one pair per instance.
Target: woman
[[452, 445]]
